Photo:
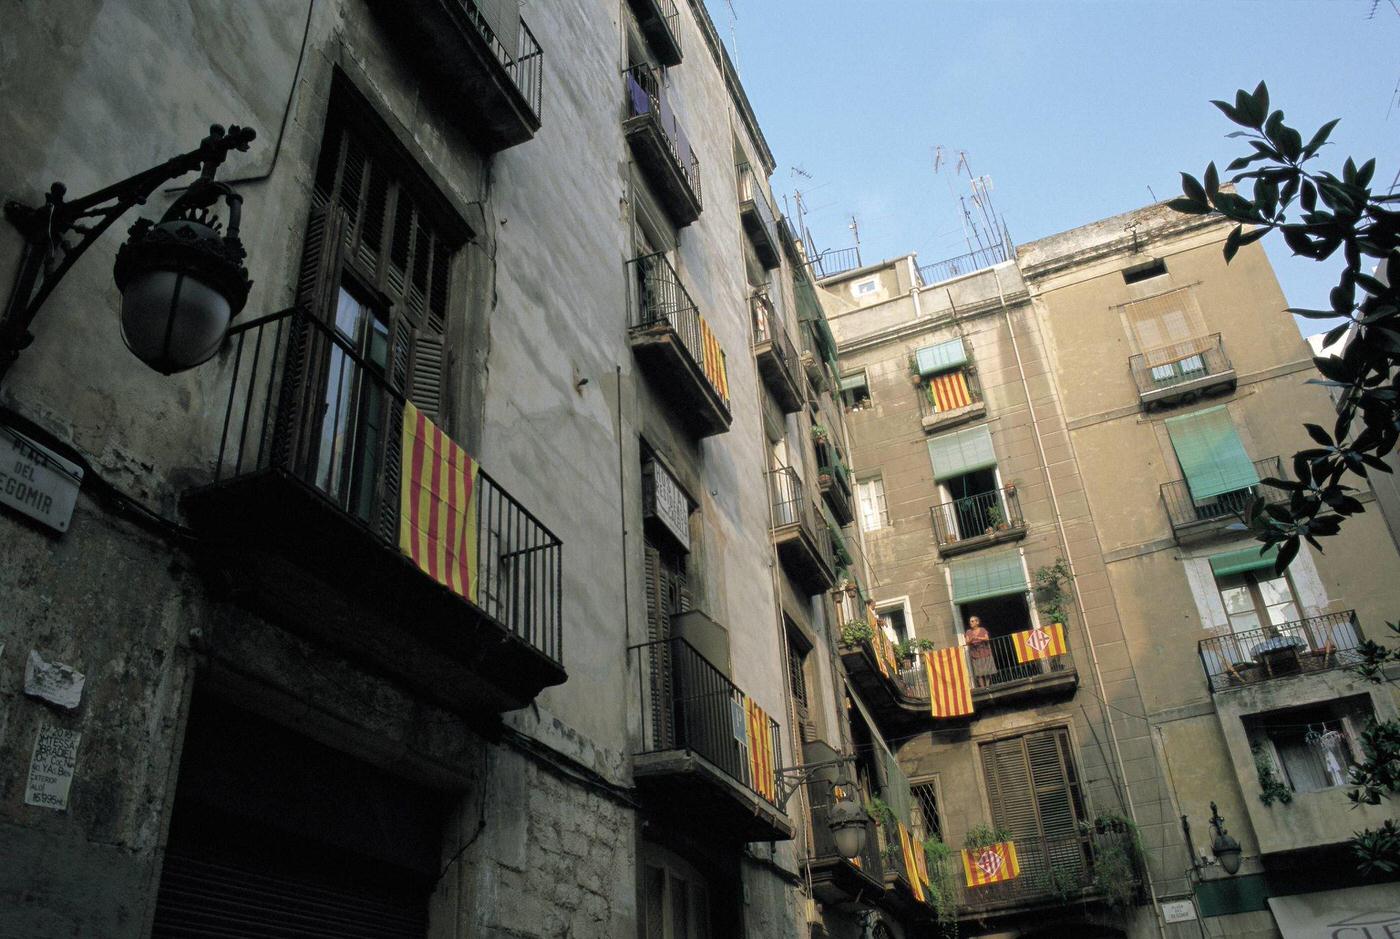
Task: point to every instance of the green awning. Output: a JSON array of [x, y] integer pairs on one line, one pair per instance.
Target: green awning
[[992, 575], [961, 452], [853, 381], [1245, 559], [1210, 453], [939, 358]]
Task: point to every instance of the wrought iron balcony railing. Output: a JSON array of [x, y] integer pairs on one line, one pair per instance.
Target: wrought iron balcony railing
[[1000, 666], [1187, 512], [646, 98], [305, 403], [1182, 368], [928, 405], [986, 514], [758, 216], [689, 704], [835, 261], [778, 361], [663, 300], [795, 513], [963, 264], [1052, 869], [523, 59], [1314, 644]]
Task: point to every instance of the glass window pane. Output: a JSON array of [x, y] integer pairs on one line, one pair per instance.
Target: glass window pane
[[348, 312], [1237, 600]]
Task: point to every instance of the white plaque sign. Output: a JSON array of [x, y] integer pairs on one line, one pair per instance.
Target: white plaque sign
[[36, 481], [1178, 911], [667, 502], [51, 767]]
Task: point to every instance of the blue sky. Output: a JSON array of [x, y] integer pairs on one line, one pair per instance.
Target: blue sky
[[1073, 108]]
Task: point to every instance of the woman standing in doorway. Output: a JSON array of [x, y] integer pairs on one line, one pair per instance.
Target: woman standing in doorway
[[979, 647]]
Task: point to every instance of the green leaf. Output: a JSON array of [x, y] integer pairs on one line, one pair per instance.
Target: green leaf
[[1212, 180], [1291, 144], [1261, 99], [1249, 109], [1312, 314], [1232, 243], [1363, 175], [1233, 113], [1192, 188], [1309, 197], [1190, 206], [1320, 138]]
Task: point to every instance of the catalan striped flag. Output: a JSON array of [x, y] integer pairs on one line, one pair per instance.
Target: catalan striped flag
[[1042, 642], [759, 730], [949, 391], [910, 849], [921, 862], [438, 505], [949, 684], [991, 865], [713, 362]]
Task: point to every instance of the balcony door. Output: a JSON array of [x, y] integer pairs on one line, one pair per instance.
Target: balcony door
[[350, 450], [1034, 790]]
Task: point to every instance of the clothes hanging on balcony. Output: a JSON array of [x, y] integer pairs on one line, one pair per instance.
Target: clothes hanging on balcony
[[948, 391], [910, 849], [759, 730], [992, 864], [949, 685], [880, 644], [1041, 642], [438, 505], [714, 363]]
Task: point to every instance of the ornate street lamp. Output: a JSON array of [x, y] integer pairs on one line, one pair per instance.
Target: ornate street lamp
[[182, 278], [845, 818], [1225, 848]]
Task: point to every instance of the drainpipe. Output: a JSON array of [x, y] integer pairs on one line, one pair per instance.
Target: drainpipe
[[1074, 583]]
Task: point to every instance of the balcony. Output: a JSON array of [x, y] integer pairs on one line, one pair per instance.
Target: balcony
[[694, 762], [303, 515], [847, 885], [799, 532], [778, 362], [1193, 519], [491, 71], [660, 23], [899, 899], [835, 261], [932, 419], [1306, 646], [1182, 373], [676, 348], [988, 518], [1007, 680], [660, 146], [964, 264], [758, 217], [1055, 873], [834, 481]]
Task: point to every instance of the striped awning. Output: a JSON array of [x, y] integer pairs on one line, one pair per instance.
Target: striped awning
[[961, 452], [1242, 560], [1210, 452]]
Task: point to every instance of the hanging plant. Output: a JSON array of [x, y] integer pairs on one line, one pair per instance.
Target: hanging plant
[[855, 632], [1117, 848], [942, 889], [1051, 587], [1271, 788], [819, 433], [984, 836]]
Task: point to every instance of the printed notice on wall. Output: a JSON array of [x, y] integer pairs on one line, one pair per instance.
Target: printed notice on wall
[[51, 767]]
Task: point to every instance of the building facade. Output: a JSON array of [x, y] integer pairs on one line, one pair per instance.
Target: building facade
[[1058, 448], [480, 585]]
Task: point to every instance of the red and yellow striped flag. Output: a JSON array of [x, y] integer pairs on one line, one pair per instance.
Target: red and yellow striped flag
[[991, 865], [759, 731], [438, 505], [949, 391], [949, 684], [910, 849], [1042, 642], [713, 362]]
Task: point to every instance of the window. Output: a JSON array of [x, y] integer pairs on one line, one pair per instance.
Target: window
[[1034, 791], [1310, 748], [677, 897], [855, 392], [1168, 330], [944, 376], [870, 495], [927, 822], [1257, 599], [1141, 272], [865, 288], [375, 279], [797, 656], [895, 623]]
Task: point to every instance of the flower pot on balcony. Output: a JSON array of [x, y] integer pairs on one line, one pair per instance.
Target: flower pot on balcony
[[1002, 526], [824, 479]]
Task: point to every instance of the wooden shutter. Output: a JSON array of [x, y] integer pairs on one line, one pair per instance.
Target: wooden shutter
[[427, 373], [660, 663], [1034, 792]]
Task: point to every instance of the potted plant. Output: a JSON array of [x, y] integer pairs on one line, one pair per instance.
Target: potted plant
[[856, 631], [1009, 489], [819, 433], [996, 519], [908, 651]]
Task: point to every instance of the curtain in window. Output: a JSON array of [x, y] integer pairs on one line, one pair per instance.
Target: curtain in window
[[1167, 328], [961, 452], [991, 575], [1211, 455]]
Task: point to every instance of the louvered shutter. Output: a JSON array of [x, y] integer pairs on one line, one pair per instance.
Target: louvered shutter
[[961, 452], [1012, 796], [992, 575], [941, 357], [427, 373], [307, 350], [659, 656]]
